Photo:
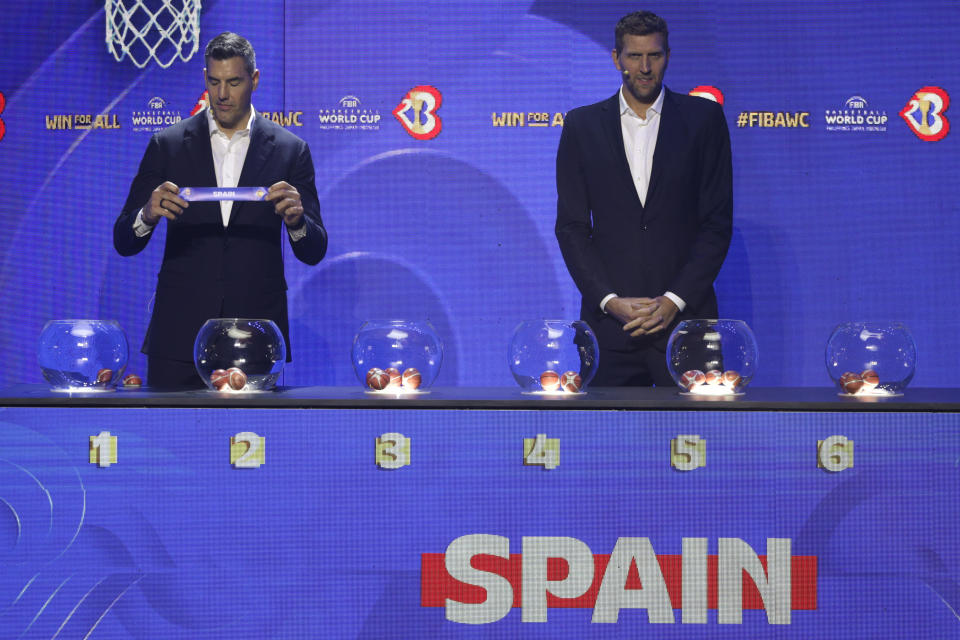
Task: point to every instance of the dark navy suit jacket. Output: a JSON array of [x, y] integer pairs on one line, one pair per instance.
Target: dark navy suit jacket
[[209, 271], [677, 242]]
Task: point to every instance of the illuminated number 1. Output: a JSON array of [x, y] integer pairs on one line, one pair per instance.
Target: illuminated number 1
[[103, 449]]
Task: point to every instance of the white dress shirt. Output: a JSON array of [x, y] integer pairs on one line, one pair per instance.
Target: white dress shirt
[[639, 143], [229, 152]]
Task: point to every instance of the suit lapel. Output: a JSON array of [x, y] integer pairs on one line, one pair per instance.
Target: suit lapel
[[261, 146], [671, 131], [196, 140], [613, 132]]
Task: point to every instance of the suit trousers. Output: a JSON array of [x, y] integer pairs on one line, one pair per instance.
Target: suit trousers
[[645, 367], [164, 374]]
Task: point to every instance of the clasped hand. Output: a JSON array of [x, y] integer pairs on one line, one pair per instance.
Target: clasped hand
[[643, 316]]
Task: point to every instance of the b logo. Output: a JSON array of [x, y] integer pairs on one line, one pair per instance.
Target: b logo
[[708, 92], [3, 127], [423, 101], [202, 102], [924, 113]]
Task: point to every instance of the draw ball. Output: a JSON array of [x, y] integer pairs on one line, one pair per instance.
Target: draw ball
[[693, 379], [395, 378], [571, 382], [237, 378], [732, 378], [377, 379], [549, 380], [132, 380], [219, 379], [851, 382], [411, 378]]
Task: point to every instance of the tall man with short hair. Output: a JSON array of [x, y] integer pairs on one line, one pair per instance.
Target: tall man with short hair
[[644, 207], [221, 259]]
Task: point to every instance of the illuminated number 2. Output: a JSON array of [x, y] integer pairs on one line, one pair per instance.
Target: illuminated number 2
[[255, 454]]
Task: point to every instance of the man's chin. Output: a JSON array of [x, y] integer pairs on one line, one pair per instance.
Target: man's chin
[[224, 124], [645, 97]]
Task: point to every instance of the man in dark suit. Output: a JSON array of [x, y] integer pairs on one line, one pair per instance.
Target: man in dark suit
[[221, 259], [644, 207]]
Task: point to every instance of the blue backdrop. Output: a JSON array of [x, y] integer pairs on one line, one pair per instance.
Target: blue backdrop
[[830, 224], [172, 541]]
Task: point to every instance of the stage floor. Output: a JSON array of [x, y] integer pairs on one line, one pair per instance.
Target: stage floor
[[506, 398]]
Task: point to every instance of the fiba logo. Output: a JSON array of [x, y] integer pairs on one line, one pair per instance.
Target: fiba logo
[[855, 102], [417, 112], [3, 127], [924, 114], [156, 102], [349, 102]]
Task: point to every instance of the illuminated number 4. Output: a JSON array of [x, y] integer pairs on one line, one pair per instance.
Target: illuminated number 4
[[542, 451]]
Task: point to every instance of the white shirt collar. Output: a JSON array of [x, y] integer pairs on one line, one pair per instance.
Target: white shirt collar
[[214, 128], [656, 107]]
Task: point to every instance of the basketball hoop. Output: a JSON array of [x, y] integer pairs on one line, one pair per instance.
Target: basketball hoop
[[169, 30]]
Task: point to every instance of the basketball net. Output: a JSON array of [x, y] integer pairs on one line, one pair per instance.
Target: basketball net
[[166, 33]]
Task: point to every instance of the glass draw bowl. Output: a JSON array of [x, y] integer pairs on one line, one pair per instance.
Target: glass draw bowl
[[553, 356], [82, 355], [397, 357], [712, 357], [239, 354], [871, 358]]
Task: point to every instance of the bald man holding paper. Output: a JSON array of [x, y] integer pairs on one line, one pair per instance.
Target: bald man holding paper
[[226, 181]]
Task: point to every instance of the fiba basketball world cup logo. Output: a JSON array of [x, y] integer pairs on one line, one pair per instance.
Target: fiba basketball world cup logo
[[417, 112], [924, 114]]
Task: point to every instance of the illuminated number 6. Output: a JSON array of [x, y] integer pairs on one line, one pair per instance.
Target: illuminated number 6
[[834, 453]]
